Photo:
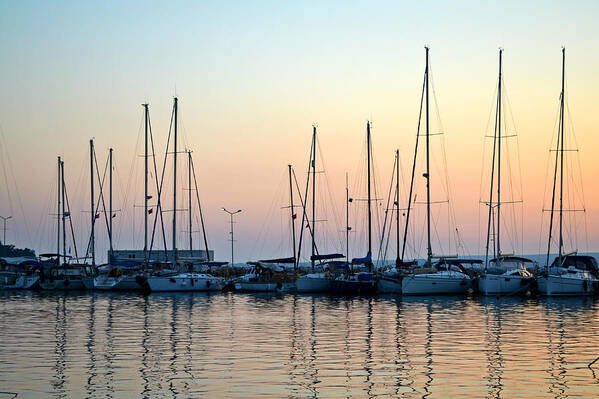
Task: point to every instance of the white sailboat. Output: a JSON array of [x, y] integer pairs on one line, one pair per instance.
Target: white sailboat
[[317, 281], [508, 275], [389, 281], [447, 276], [503, 275], [263, 277], [568, 274], [181, 281]]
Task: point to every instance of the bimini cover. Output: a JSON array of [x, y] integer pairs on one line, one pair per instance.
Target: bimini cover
[[362, 261], [337, 265], [278, 260]]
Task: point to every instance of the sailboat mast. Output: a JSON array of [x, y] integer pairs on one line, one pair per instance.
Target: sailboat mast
[[429, 253], [369, 194], [146, 123], [64, 231], [57, 216], [93, 209], [292, 221], [491, 219], [397, 260], [561, 154], [313, 195], [175, 185], [346, 217], [110, 208], [499, 100], [189, 199]]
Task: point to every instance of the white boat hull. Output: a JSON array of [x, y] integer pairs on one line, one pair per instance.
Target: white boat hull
[[63, 284], [255, 286], [423, 284], [21, 283], [498, 284], [123, 283], [563, 285], [313, 283], [184, 283], [387, 285]]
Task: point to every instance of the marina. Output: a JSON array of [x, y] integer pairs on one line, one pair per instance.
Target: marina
[[299, 199]]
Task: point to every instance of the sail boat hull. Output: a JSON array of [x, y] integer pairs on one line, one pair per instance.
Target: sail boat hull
[[185, 282], [315, 282], [122, 283], [491, 284], [389, 285], [563, 285], [435, 284], [19, 283]]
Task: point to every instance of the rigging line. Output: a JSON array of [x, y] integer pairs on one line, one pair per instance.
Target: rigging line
[[336, 217], [375, 185], [380, 253], [303, 203], [483, 152], [304, 213], [122, 195], [559, 141], [195, 181], [159, 186], [432, 82], [492, 180], [547, 180], [394, 209], [413, 171], [18, 193], [131, 177], [66, 198], [159, 190], [101, 195]]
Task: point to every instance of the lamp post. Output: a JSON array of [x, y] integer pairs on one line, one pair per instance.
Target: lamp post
[[5, 218], [232, 237]]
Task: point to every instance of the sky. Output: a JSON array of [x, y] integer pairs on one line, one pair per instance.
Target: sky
[[252, 78]]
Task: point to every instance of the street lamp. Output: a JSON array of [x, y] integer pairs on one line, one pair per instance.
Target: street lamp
[[5, 218], [232, 240]]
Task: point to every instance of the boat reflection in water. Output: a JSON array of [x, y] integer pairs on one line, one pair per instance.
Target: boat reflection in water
[[183, 345]]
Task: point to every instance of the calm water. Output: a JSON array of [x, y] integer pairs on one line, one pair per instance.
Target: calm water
[[232, 345]]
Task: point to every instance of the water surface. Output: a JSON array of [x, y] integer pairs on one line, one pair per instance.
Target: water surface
[[180, 345]]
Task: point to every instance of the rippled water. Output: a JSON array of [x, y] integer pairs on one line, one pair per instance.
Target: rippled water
[[232, 345]]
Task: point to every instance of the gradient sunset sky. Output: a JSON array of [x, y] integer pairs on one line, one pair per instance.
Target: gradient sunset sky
[[253, 77]]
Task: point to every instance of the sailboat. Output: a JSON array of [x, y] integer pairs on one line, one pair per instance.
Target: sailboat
[[268, 275], [186, 281], [389, 281], [358, 282], [508, 274], [447, 275], [568, 274], [317, 281], [62, 275]]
